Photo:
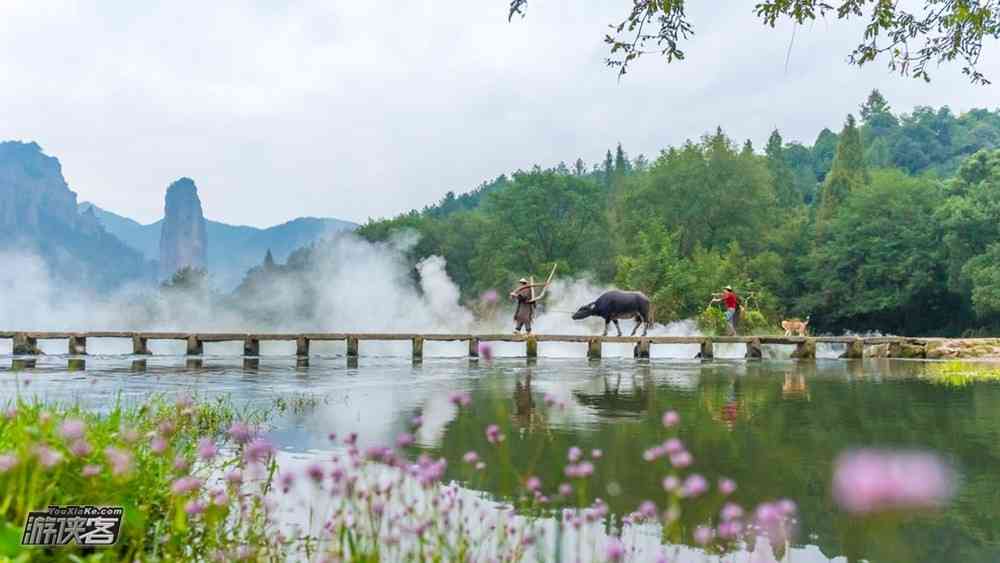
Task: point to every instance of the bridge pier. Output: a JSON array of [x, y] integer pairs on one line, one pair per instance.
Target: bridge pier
[[195, 347], [418, 348], [352, 347], [140, 345], [474, 348], [251, 346], [531, 347], [805, 350], [707, 350], [641, 349], [754, 350], [25, 345], [855, 350], [77, 345], [594, 349], [301, 347]]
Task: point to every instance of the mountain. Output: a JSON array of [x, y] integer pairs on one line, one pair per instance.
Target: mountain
[[232, 249], [38, 213], [183, 242]]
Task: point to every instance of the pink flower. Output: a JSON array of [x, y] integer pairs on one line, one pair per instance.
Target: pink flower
[[867, 481], [565, 489], [673, 446], [240, 433], [614, 550], [234, 477], [404, 440], [90, 470], [493, 434], [460, 399], [489, 296], [470, 457], [315, 472], [703, 535], [652, 454], [206, 449], [185, 485], [681, 460], [648, 509], [258, 451], [695, 485], [596, 454], [7, 462], [485, 351], [730, 529], [158, 444], [220, 498], [120, 460], [671, 418], [80, 448], [727, 486], [129, 435], [775, 520], [72, 429], [574, 454], [48, 457], [533, 484], [181, 464], [731, 511], [579, 470], [670, 483], [286, 480], [167, 428], [184, 401], [194, 507]]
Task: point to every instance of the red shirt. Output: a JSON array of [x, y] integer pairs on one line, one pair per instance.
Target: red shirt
[[730, 300]]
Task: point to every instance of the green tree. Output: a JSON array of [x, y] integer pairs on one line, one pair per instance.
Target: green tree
[[707, 192], [784, 182], [877, 115], [540, 219], [881, 265], [847, 174], [823, 151], [947, 30]]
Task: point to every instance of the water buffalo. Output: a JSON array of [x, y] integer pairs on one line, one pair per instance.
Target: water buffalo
[[614, 305]]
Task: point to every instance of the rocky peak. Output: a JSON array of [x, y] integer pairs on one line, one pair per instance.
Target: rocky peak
[[33, 191], [183, 241]]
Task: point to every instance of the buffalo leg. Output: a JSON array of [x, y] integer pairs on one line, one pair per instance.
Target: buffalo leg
[[638, 321], [606, 323], [618, 327]]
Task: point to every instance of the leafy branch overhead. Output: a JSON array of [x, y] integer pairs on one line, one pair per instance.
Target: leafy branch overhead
[[941, 31]]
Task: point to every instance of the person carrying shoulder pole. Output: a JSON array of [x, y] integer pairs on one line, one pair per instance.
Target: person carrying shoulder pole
[[525, 296], [731, 302]]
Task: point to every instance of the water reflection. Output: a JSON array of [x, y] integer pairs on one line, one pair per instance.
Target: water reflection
[[773, 425]]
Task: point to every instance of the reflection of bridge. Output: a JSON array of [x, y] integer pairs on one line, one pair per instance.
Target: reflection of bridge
[[26, 343]]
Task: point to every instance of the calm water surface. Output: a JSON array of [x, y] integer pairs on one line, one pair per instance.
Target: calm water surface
[[773, 426]]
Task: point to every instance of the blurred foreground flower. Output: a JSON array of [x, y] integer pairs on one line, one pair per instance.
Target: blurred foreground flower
[[867, 481], [489, 296]]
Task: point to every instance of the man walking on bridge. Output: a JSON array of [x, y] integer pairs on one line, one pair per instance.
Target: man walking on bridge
[[525, 311], [731, 302]]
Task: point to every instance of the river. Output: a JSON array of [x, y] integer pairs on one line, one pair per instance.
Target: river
[[773, 426]]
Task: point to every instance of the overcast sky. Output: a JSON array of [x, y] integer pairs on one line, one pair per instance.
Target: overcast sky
[[354, 109]]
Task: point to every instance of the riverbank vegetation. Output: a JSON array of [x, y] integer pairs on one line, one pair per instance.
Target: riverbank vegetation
[[199, 481], [889, 225]]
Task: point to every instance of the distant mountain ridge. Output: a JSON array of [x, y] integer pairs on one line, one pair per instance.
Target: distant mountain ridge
[[232, 249], [39, 214]]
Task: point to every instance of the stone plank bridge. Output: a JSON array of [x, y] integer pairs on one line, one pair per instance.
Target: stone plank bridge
[[26, 343]]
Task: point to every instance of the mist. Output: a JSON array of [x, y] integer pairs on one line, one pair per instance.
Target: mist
[[347, 285]]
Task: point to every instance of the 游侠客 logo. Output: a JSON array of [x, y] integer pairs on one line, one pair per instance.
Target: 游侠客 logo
[[82, 525]]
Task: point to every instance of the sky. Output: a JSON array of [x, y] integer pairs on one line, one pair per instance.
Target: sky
[[354, 110]]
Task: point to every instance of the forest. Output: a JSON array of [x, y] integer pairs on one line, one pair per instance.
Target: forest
[[891, 224]]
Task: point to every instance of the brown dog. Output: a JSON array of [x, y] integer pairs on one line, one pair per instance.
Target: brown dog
[[797, 326]]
